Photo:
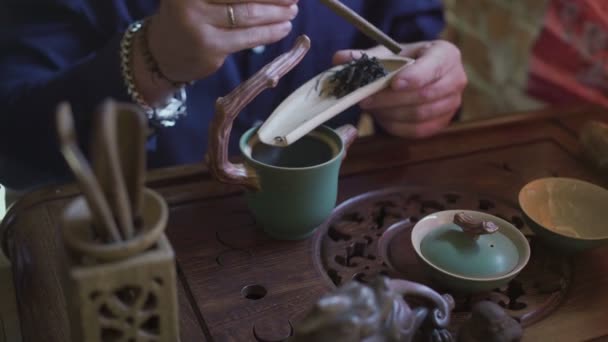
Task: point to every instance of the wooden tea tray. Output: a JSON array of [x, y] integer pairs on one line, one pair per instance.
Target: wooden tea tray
[[234, 281]]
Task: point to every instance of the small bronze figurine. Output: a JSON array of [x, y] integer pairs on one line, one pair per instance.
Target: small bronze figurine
[[490, 323], [376, 313]]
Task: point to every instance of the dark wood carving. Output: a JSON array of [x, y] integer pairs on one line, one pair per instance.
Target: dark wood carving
[[347, 247], [227, 108]]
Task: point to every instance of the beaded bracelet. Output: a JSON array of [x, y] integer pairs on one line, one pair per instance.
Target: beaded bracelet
[[151, 62], [175, 106]]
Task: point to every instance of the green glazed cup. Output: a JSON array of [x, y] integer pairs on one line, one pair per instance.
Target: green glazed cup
[[290, 190], [567, 214], [298, 184]]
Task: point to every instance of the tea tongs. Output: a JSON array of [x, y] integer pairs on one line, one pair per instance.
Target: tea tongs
[[310, 105], [114, 186], [103, 221], [119, 162]]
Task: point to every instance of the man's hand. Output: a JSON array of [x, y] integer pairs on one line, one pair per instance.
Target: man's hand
[[423, 97], [191, 38]]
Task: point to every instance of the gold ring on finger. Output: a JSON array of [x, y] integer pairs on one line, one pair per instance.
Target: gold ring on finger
[[231, 16]]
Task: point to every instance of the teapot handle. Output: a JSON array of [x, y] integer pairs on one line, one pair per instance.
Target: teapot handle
[[227, 108]]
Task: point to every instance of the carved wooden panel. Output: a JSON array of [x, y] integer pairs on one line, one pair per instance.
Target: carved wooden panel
[[129, 300]]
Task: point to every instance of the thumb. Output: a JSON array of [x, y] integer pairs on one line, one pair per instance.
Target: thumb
[[345, 56]]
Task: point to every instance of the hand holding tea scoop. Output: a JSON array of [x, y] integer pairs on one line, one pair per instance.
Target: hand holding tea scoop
[[340, 87], [419, 100]]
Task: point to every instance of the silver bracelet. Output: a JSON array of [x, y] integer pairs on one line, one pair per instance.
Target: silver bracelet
[[173, 109]]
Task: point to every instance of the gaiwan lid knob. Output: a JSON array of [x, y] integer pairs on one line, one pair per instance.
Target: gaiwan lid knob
[[470, 248]]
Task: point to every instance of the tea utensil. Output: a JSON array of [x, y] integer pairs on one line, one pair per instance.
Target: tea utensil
[[363, 25], [108, 166], [103, 222], [132, 133], [567, 214], [307, 107], [460, 259]]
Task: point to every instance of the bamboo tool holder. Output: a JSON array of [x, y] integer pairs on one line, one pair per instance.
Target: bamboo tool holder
[[124, 290], [363, 25], [305, 109]]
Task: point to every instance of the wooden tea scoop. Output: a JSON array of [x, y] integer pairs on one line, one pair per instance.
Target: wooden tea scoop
[[363, 25], [103, 222], [310, 105], [107, 165], [132, 134]]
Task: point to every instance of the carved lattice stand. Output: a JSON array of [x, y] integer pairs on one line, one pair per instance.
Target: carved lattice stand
[[124, 291]]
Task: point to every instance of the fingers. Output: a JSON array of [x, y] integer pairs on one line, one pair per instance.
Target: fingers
[[413, 50], [272, 2], [416, 130], [453, 82], [236, 40], [249, 14], [344, 56], [417, 114], [433, 61]]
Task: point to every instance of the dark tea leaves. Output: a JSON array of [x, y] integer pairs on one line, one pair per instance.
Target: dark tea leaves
[[356, 74]]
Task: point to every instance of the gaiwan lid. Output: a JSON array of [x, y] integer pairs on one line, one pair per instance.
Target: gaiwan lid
[[470, 248]]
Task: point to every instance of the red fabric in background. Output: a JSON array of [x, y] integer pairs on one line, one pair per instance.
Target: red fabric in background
[[569, 60]]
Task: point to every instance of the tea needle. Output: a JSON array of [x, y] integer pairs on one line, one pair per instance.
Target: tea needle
[[363, 25]]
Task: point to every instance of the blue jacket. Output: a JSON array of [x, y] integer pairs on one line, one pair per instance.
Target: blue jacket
[[56, 50]]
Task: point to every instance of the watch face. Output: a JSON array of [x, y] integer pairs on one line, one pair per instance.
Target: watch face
[[172, 111]]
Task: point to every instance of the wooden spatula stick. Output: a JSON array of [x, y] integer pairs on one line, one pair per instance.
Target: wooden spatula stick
[[112, 180], [363, 25], [103, 222]]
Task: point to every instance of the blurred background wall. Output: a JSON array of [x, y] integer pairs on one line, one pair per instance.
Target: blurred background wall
[[525, 54], [495, 38]]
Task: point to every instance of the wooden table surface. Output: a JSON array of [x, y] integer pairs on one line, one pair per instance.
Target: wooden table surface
[[225, 262]]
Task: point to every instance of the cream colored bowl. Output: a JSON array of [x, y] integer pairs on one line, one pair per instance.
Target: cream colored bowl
[[568, 214]]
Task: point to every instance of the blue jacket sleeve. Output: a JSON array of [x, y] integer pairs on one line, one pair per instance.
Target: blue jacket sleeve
[[406, 21], [50, 51]]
